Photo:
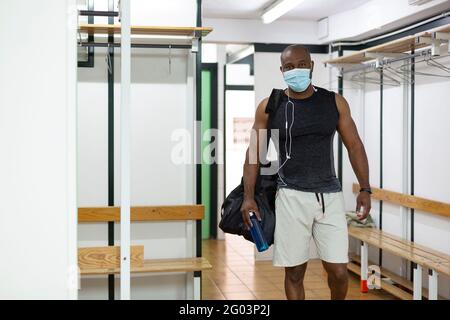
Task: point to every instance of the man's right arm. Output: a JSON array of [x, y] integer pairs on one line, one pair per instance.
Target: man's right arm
[[251, 165]]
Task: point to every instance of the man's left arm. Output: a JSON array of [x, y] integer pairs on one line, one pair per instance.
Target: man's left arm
[[356, 152]]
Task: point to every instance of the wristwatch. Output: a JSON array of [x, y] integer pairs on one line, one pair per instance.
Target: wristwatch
[[366, 190]]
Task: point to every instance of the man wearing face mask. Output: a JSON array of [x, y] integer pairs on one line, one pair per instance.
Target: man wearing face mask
[[309, 202]]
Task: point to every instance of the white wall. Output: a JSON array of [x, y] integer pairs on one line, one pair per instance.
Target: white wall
[[369, 19], [239, 104], [37, 139], [251, 31], [378, 17], [161, 102], [145, 13], [432, 156]]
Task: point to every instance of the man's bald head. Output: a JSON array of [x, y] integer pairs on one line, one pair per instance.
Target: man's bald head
[[295, 56]]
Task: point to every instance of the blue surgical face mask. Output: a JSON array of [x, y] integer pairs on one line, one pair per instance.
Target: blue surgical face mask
[[297, 79]]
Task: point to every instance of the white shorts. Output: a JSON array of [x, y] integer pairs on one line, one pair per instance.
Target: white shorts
[[299, 216]]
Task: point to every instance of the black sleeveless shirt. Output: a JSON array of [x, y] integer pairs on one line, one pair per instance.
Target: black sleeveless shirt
[[311, 164]]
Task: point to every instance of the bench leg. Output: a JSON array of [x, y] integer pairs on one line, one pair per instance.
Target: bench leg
[[433, 285], [197, 288], [417, 285], [364, 266]]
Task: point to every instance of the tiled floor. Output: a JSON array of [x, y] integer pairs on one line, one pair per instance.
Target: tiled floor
[[236, 276]]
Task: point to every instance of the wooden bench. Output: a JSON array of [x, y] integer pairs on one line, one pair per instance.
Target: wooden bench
[[436, 262], [106, 260]]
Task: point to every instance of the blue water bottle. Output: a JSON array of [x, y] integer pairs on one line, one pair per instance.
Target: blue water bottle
[[257, 233]]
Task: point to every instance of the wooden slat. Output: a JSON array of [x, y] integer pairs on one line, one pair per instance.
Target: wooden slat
[[403, 249], [353, 267], [395, 46], [160, 265], [379, 237], [145, 30], [401, 45], [105, 258], [352, 58], [394, 290], [174, 265], [422, 250], [402, 244], [414, 202], [148, 213]]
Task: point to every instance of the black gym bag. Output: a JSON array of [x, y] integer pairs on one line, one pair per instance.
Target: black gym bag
[[265, 191]]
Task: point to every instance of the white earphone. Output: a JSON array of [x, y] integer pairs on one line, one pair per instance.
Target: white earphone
[[288, 130]]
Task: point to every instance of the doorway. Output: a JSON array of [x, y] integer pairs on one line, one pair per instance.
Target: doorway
[[209, 170]]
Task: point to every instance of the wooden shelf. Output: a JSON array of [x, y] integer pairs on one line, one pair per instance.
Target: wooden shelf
[[403, 45], [157, 266], [92, 29], [106, 260]]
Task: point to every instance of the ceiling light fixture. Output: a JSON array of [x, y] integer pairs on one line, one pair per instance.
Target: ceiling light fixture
[[278, 9]]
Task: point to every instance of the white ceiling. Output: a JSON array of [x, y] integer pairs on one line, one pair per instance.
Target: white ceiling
[[252, 9]]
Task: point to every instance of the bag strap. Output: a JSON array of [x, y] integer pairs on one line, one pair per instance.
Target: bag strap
[[274, 101], [272, 106]]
